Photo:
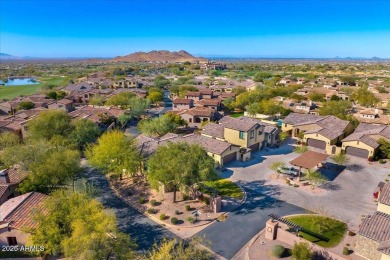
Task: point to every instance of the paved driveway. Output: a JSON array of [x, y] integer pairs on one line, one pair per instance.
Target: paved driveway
[[130, 221], [228, 237]]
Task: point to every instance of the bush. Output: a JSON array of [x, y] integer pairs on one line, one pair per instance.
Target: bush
[[278, 251], [153, 203], [381, 161], [351, 233], [174, 221], [345, 251], [296, 185], [288, 181], [301, 251], [188, 208], [152, 211], [177, 212], [142, 200], [191, 220], [205, 200], [163, 216], [186, 197]]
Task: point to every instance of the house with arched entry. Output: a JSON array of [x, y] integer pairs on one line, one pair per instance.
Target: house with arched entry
[[322, 132]]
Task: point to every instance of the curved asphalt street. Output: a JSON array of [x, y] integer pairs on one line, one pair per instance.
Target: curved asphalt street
[[228, 237]]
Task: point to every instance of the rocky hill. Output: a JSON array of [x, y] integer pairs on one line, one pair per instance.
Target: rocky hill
[[159, 56]]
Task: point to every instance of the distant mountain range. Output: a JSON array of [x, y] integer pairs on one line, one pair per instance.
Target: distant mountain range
[[159, 56], [171, 57], [5, 56]]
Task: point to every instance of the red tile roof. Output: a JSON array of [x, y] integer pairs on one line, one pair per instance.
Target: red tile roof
[[18, 212]]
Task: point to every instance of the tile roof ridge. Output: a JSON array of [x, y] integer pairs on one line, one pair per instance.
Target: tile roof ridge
[[19, 204]]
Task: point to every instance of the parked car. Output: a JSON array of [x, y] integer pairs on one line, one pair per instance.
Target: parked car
[[288, 170]]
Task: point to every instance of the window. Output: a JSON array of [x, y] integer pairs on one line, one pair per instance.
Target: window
[[242, 135], [252, 134], [12, 241]]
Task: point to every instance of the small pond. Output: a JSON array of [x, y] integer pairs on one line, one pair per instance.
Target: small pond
[[19, 82]]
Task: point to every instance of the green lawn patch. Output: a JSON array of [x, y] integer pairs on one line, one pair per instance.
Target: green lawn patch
[[328, 227], [11, 92], [225, 188], [237, 114]]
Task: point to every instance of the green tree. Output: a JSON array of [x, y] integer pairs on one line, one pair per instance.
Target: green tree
[[364, 97], [261, 76], [155, 96], [177, 164], [160, 81], [283, 136], [79, 227], [179, 250], [124, 119], [53, 170], [121, 100], [315, 177], [114, 153], [138, 106], [384, 148], [162, 125], [84, 132], [25, 154], [340, 158], [50, 123], [8, 139], [96, 100], [26, 105], [52, 95], [313, 96], [301, 251], [336, 108]]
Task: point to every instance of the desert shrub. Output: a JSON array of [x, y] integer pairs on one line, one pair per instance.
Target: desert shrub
[[301, 251], [174, 221], [177, 212], [381, 161], [152, 211], [278, 251], [288, 181], [345, 251], [186, 197], [205, 200], [188, 207], [296, 185], [142, 200], [191, 220], [153, 203], [351, 233], [162, 216]]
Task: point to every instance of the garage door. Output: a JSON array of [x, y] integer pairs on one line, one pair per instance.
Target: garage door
[[356, 152], [229, 158], [316, 143], [255, 146]]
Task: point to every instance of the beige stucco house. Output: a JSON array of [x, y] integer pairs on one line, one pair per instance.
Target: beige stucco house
[[323, 132], [363, 142], [222, 152], [373, 239]]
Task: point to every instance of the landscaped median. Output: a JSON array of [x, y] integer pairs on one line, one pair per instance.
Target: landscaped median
[[185, 212]]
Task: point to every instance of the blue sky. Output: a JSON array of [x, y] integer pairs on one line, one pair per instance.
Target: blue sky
[[269, 28]]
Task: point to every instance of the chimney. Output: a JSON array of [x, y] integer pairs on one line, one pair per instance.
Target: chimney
[[4, 177]]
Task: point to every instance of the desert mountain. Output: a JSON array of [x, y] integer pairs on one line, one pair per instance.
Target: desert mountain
[[159, 56]]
